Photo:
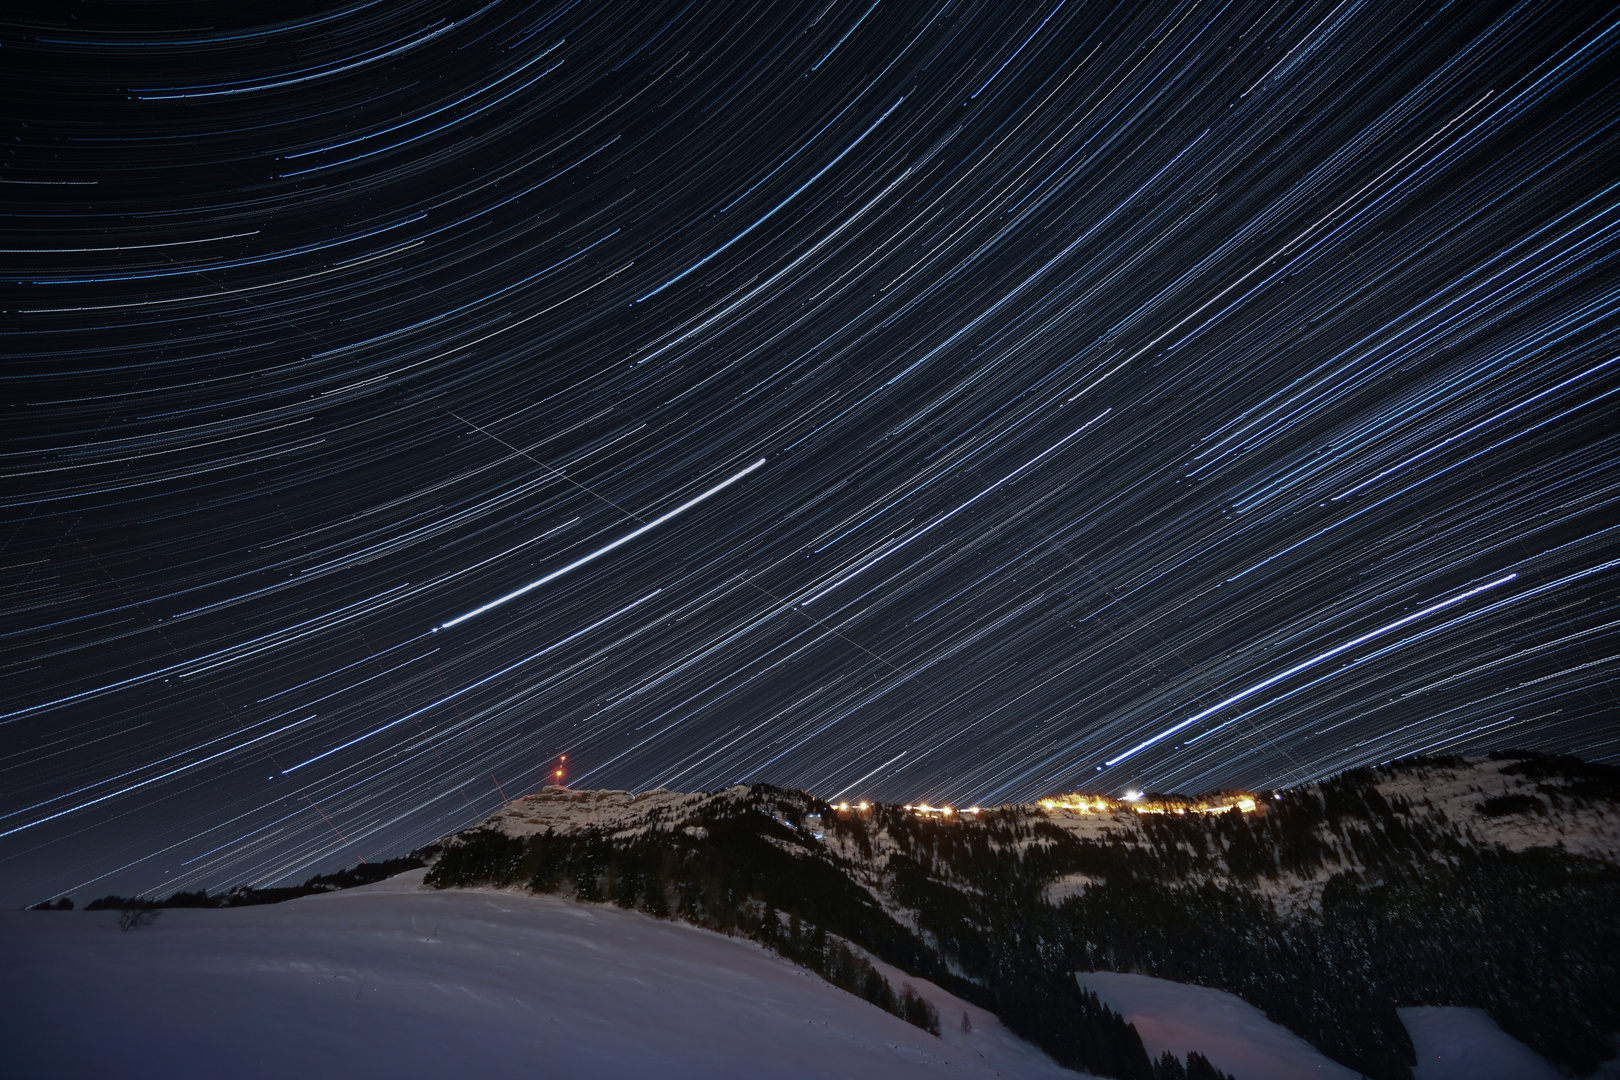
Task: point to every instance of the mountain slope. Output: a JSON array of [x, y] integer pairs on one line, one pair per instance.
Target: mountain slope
[[397, 981], [1493, 884]]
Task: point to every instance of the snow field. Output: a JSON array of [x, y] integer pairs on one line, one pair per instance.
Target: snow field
[[396, 980]]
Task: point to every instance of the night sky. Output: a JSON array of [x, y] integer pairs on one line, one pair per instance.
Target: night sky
[[906, 400]]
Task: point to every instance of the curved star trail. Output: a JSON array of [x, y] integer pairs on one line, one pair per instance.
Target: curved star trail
[[901, 400]]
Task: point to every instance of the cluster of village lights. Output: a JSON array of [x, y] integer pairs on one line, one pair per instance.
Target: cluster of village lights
[[1242, 803], [919, 808], [942, 811]]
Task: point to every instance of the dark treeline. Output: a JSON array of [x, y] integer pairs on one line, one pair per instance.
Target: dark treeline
[[364, 874]]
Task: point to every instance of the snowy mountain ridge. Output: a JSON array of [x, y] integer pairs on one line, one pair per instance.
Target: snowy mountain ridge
[[1479, 803], [1483, 883]]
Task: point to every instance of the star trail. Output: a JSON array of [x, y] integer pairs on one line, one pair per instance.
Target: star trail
[[920, 401]]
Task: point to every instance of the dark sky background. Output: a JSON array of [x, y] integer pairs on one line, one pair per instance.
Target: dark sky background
[[903, 400]]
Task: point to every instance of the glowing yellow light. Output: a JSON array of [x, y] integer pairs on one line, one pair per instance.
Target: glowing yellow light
[[1143, 803]]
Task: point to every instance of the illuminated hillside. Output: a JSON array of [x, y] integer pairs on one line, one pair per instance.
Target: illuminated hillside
[[1492, 883]]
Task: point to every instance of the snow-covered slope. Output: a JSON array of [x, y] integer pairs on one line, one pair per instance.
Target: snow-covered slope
[[1455, 1043], [616, 812], [1235, 1036], [395, 980], [1554, 814]]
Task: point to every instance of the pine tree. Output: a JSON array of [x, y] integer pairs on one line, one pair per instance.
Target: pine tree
[[1199, 1068], [1169, 1067]]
